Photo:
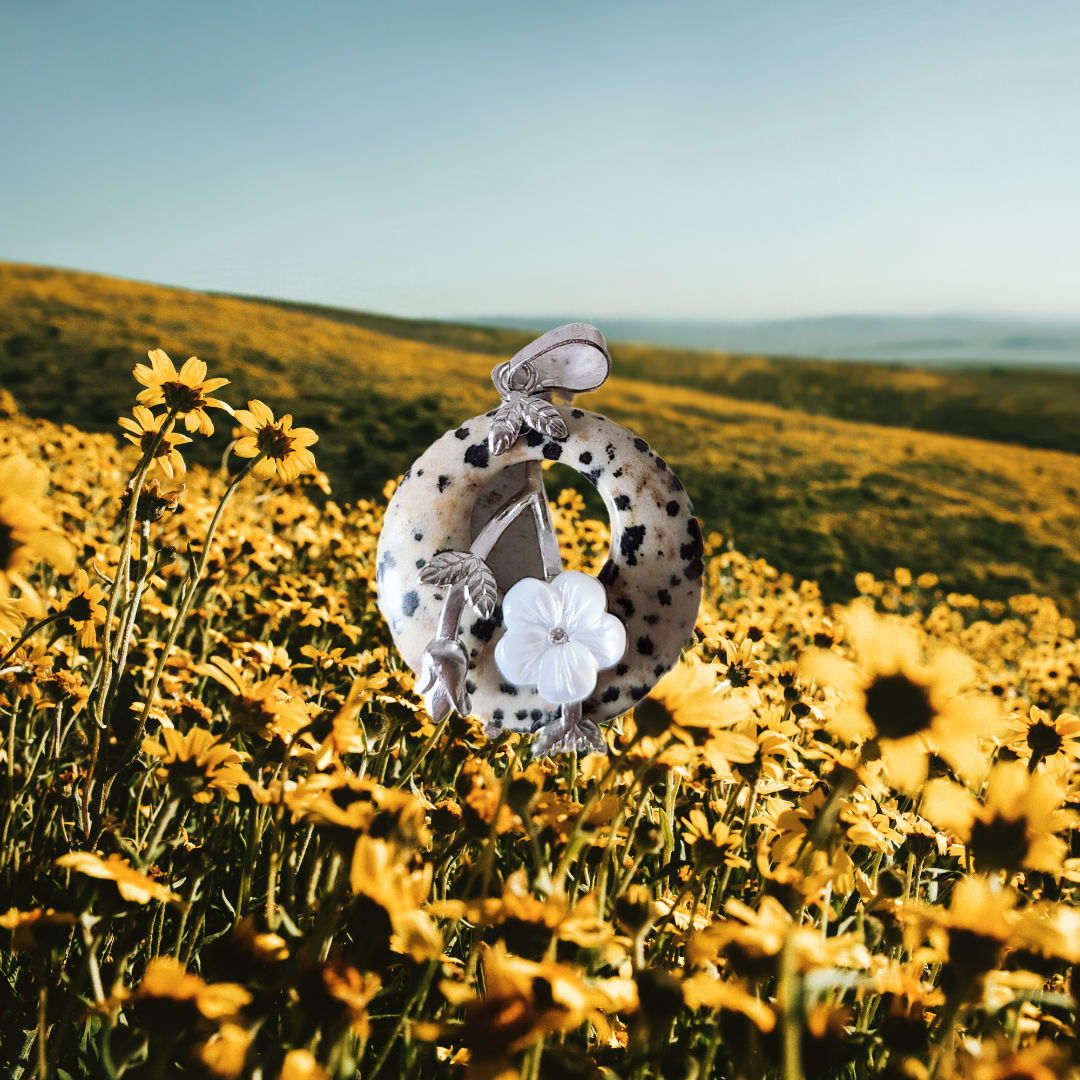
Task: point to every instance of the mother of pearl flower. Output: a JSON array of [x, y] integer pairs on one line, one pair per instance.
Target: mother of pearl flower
[[558, 636]]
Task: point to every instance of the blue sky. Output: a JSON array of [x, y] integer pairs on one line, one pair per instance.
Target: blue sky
[[653, 160]]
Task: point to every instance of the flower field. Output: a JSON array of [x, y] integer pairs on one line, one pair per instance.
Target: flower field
[[836, 841]]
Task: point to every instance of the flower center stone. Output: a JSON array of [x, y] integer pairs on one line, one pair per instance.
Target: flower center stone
[[559, 636]]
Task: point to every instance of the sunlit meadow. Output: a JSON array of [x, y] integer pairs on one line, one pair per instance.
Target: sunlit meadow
[[834, 841]]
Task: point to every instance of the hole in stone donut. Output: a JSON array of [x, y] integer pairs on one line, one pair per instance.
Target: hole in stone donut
[[516, 554], [559, 478]]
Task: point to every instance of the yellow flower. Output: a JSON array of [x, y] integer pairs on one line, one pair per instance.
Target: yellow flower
[[260, 707], [197, 764], [37, 929], [1036, 738], [710, 847], [378, 874], [166, 986], [301, 1065], [24, 534], [285, 446], [142, 432], [352, 991], [185, 392], [1017, 825], [901, 705], [225, 1052], [130, 883], [83, 608]]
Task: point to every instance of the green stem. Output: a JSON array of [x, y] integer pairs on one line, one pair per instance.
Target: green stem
[[122, 567], [29, 634], [178, 620]]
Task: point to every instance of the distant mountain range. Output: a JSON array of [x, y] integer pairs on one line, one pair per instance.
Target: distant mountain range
[[922, 340]]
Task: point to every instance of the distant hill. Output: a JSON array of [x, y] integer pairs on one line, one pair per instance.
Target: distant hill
[[819, 496], [940, 340]]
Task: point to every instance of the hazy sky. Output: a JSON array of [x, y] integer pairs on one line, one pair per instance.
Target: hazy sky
[[660, 159]]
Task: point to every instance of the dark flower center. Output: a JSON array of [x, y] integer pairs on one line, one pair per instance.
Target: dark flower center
[[1043, 739], [274, 442], [999, 844], [738, 674], [898, 706], [79, 609], [7, 545], [164, 447], [182, 397]]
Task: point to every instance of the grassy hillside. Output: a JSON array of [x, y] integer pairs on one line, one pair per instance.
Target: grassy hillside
[[1021, 405], [818, 496]]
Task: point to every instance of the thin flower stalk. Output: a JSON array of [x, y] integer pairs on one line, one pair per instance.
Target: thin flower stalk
[[178, 620]]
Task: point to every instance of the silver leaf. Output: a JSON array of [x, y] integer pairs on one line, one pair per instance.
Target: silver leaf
[[447, 568], [505, 427], [569, 733], [544, 417], [481, 589]]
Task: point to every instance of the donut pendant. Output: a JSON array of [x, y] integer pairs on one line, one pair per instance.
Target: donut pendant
[[469, 575]]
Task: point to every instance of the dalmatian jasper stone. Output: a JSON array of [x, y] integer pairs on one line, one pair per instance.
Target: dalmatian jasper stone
[[652, 575]]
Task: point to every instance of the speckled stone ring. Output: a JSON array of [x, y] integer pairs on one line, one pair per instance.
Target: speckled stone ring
[[468, 556]]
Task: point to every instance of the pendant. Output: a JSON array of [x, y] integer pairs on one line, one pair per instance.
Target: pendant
[[470, 579]]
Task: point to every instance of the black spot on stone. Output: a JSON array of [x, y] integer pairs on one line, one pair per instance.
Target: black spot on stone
[[652, 619], [419, 472], [577, 414], [420, 563], [631, 539], [495, 724], [445, 482], [617, 473], [642, 445], [408, 473], [622, 669], [672, 508], [676, 485], [694, 529], [585, 458], [492, 413], [497, 714], [461, 433], [483, 629], [477, 455], [675, 581], [521, 714], [664, 597], [638, 692], [610, 451], [694, 570], [589, 706], [622, 502], [594, 475], [645, 646], [537, 714], [608, 573], [661, 463], [410, 602], [506, 688], [534, 438], [418, 536], [659, 670], [552, 451], [626, 605], [470, 686], [689, 550], [610, 694]]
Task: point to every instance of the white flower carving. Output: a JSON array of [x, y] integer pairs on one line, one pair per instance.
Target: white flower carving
[[558, 636]]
